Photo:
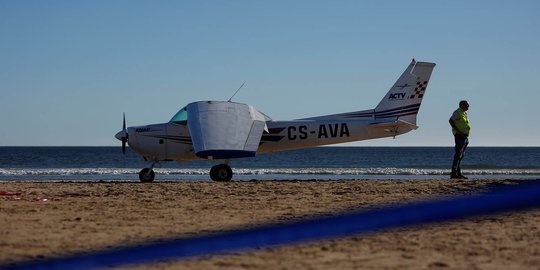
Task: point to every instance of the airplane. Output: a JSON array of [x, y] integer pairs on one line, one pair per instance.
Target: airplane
[[224, 130]]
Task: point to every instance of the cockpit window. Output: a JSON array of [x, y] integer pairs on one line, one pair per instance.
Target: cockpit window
[[180, 117]]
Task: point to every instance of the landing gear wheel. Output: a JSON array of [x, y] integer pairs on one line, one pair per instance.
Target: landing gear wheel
[[147, 175], [221, 173]]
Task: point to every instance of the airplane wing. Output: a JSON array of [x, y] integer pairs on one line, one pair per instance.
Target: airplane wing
[[223, 130]]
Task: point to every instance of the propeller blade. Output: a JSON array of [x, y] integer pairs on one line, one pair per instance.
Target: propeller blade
[[125, 135]]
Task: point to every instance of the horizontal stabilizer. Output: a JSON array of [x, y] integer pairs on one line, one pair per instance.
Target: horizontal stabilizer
[[396, 127]]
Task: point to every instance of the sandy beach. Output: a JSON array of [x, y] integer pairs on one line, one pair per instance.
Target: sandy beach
[[43, 219]]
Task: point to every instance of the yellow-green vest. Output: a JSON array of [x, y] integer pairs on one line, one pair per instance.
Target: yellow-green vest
[[462, 123]]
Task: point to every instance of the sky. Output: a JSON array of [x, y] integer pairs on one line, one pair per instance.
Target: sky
[[70, 69]]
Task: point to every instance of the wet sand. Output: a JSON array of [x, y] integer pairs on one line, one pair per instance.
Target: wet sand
[[56, 219]]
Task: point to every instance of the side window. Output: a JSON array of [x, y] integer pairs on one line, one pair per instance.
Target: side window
[[180, 116]]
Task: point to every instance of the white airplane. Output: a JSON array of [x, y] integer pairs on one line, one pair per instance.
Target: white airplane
[[224, 130]]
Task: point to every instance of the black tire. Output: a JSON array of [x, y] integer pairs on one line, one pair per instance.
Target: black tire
[[146, 175], [221, 173]]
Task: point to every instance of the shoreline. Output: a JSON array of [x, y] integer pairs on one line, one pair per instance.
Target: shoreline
[[167, 177], [58, 218]]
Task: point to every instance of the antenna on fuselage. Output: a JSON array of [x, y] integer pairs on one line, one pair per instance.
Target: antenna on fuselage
[[236, 92]]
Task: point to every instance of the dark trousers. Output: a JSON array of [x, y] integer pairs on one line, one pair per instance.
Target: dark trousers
[[461, 144]]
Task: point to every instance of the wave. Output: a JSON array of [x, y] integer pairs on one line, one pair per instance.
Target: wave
[[260, 171]]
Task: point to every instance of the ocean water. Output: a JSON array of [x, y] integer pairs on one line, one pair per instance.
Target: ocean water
[[108, 163]]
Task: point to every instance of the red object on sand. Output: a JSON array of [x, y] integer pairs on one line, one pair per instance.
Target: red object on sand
[[8, 193]]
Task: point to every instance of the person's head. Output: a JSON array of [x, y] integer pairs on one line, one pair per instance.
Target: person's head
[[464, 105]]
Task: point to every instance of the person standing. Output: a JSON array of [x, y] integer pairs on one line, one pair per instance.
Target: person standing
[[460, 128]]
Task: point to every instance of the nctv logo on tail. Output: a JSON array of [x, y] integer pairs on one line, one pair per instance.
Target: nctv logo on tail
[[396, 96]]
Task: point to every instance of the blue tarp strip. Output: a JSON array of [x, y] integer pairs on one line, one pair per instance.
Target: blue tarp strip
[[523, 197]]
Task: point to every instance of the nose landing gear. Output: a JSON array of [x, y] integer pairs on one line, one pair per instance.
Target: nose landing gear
[[147, 175]]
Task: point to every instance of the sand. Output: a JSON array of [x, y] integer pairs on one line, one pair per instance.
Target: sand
[[57, 219]]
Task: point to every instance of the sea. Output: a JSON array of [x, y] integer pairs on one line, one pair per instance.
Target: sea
[[323, 163]]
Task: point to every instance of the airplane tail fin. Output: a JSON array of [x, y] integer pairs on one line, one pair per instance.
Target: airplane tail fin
[[404, 98]]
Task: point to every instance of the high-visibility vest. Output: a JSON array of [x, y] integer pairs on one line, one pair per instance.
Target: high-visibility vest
[[462, 123]]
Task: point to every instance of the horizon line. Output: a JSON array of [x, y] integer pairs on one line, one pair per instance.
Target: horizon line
[[289, 150]]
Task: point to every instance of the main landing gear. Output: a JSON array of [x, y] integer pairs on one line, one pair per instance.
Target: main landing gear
[[221, 173]]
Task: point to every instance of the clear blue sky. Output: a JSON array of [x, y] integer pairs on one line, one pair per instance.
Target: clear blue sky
[[69, 69]]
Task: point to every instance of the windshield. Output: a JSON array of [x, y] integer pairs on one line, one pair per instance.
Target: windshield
[[180, 116]]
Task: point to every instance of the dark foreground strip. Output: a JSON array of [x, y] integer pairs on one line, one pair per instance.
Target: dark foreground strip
[[525, 196]]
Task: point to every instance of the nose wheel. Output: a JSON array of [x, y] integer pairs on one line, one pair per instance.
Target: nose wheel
[[221, 173], [147, 175]]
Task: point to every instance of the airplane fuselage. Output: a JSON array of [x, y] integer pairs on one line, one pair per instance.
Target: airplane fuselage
[[172, 141]]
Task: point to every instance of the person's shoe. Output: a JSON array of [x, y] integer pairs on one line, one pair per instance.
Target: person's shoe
[[462, 176], [454, 176]]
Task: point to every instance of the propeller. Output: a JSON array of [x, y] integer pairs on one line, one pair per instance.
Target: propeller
[[124, 138], [123, 135]]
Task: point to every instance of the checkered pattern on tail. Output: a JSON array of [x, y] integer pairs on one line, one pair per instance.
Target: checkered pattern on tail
[[419, 90]]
